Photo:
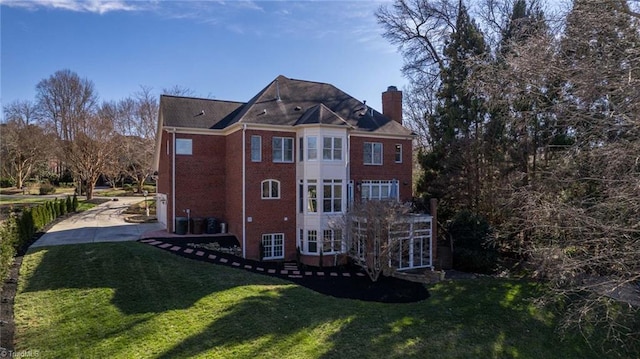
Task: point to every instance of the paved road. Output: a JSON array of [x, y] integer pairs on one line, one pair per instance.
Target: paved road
[[103, 223]]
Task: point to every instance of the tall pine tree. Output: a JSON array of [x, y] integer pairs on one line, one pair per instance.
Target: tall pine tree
[[452, 166]]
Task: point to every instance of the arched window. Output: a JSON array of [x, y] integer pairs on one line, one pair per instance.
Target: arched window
[[270, 189]]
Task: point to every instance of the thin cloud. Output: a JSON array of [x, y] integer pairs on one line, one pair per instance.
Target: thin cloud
[[92, 6]]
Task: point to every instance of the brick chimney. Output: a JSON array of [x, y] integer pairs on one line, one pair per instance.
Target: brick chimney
[[392, 104]]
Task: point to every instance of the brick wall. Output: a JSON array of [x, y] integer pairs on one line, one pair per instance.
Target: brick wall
[[389, 169], [200, 177], [270, 215]]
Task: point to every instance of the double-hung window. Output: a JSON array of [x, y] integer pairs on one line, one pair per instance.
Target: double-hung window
[[398, 154], [332, 196], [332, 241], [256, 148], [282, 149], [270, 189], [312, 241], [372, 153], [273, 246], [312, 148], [332, 148], [312, 196]]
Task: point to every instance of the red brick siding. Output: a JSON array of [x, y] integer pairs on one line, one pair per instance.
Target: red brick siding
[[392, 105], [268, 215], [233, 194], [389, 169], [200, 177]]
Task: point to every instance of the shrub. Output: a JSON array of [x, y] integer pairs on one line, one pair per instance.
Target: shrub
[[150, 189], [74, 203], [8, 240], [69, 204], [62, 207], [18, 230], [47, 188], [127, 187], [7, 182], [471, 234]]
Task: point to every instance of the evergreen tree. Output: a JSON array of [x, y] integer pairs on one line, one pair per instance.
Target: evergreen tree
[[452, 167]]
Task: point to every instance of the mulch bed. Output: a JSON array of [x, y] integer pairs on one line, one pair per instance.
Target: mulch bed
[[340, 282]]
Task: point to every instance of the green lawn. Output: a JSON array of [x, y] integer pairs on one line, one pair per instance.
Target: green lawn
[[130, 300]]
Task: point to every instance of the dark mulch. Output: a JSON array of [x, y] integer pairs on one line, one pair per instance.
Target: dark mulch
[[353, 286]]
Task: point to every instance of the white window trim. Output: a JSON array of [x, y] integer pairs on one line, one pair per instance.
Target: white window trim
[[380, 184], [332, 149], [398, 146], [259, 138], [284, 140], [270, 182], [312, 182], [373, 162], [320, 238], [339, 242], [272, 237], [314, 148], [184, 146], [333, 183], [306, 242]]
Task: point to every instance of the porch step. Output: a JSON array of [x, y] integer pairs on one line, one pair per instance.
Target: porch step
[[290, 266]]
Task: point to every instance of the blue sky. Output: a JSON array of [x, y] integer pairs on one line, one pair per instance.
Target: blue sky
[[227, 50]]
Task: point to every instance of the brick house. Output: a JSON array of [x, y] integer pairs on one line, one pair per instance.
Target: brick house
[[278, 168]]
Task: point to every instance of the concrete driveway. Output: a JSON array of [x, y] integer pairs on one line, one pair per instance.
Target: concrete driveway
[[103, 223]]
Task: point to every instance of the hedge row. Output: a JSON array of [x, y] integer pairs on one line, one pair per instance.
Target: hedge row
[[18, 230]]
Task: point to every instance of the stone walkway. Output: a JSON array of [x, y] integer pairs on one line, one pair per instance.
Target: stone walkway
[[290, 269]]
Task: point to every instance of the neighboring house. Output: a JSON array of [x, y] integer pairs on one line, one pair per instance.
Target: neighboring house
[[279, 167]]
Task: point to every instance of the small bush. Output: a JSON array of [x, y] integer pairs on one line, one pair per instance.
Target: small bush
[[74, 203], [47, 188], [69, 204], [18, 230], [62, 207], [128, 187], [471, 234], [7, 182], [150, 189]]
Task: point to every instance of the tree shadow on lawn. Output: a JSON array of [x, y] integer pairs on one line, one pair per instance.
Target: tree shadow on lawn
[[142, 280], [289, 322], [475, 318], [340, 282]]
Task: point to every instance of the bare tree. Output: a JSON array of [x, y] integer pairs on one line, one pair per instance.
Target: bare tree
[[137, 121], [368, 225], [93, 149], [580, 218], [25, 145], [67, 102], [24, 148], [176, 90]]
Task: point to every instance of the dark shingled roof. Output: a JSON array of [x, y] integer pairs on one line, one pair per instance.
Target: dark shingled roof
[[196, 112], [285, 102]]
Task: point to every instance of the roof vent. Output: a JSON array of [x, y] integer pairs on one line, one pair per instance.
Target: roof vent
[[264, 112], [298, 108]]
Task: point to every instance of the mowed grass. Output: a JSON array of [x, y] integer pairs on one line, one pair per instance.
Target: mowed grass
[[130, 300]]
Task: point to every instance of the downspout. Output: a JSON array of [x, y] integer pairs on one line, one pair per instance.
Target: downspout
[[244, 193], [173, 180]]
